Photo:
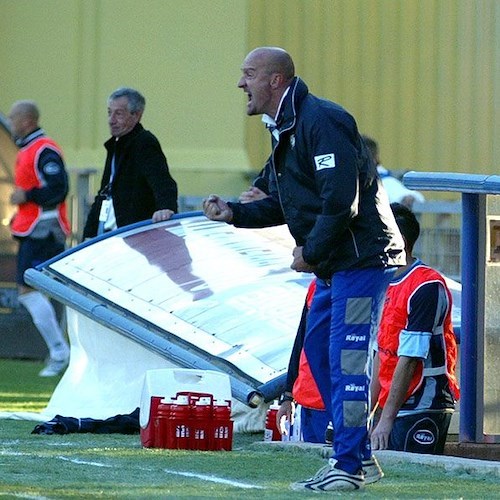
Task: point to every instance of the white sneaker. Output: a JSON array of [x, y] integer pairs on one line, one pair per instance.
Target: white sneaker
[[54, 367], [373, 471], [328, 478]]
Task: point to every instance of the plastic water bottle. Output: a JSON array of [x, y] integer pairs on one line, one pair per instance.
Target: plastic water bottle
[[162, 423], [271, 431], [202, 420], [179, 435], [222, 426]]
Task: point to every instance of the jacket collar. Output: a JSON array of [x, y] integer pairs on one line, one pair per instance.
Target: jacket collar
[[126, 138], [24, 141], [287, 114]]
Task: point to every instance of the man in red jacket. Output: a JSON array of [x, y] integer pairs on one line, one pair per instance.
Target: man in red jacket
[[414, 368], [40, 223]]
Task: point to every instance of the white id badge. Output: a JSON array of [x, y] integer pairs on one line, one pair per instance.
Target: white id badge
[[105, 208]]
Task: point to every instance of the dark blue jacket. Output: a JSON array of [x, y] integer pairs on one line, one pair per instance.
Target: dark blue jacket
[[325, 187]]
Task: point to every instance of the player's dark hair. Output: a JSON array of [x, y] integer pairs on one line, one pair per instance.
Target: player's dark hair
[[407, 223]]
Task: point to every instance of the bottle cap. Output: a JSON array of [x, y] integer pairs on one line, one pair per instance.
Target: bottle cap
[[203, 402]]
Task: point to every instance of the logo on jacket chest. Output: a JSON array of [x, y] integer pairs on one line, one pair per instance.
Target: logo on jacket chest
[[292, 141]]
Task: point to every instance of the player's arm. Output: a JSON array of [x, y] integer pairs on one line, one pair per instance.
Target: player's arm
[[403, 374], [54, 179]]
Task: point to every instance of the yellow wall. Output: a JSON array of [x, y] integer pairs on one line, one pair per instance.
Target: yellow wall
[[421, 76], [69, 55]]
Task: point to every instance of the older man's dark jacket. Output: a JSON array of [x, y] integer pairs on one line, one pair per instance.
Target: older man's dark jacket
[[141, 184]]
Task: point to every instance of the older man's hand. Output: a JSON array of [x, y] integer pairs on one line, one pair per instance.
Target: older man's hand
[[161, 215]]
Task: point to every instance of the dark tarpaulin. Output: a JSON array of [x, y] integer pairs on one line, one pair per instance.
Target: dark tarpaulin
[[119, 424]]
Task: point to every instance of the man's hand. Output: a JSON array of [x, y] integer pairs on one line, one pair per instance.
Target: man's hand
[[217, 209], [299, 264], [253, 194], [380, 435], [405, 369], [284, 414], [18, 197], [163, 214]]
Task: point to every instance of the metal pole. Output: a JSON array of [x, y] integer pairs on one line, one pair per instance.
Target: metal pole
[[471, 356]]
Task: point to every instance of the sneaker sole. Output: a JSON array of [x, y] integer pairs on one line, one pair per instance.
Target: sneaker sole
[[335, 482]]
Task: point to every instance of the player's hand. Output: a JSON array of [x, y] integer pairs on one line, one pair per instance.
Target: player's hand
[[299, 264], [380, 435], [217, 209]]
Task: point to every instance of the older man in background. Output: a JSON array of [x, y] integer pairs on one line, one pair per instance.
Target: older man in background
[[136, 181]]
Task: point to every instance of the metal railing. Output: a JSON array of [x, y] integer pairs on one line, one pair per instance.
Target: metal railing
[[439, 241]]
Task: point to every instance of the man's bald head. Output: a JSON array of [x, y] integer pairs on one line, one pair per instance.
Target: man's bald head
[[26, 108], [267, 73], [23, 117], [275, 60]]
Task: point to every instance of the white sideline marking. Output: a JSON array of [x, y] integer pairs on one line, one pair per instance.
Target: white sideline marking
[[83, 462], [9, 453], [59, 457], [24, 495], [214, 479], [204, 477]]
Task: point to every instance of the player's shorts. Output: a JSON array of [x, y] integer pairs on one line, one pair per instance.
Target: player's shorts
[[420, 433], [34, 251]]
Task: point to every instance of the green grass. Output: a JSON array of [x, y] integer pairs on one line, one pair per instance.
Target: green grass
[[116, 466], [21, 389]]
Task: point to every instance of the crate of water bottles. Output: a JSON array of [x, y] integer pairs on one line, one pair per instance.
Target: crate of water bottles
[[193, 421]]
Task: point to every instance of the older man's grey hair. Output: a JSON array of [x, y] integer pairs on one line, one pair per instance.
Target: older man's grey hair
[[136, 101]]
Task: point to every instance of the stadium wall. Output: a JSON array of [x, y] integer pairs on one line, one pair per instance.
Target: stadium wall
[[421, 76]]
